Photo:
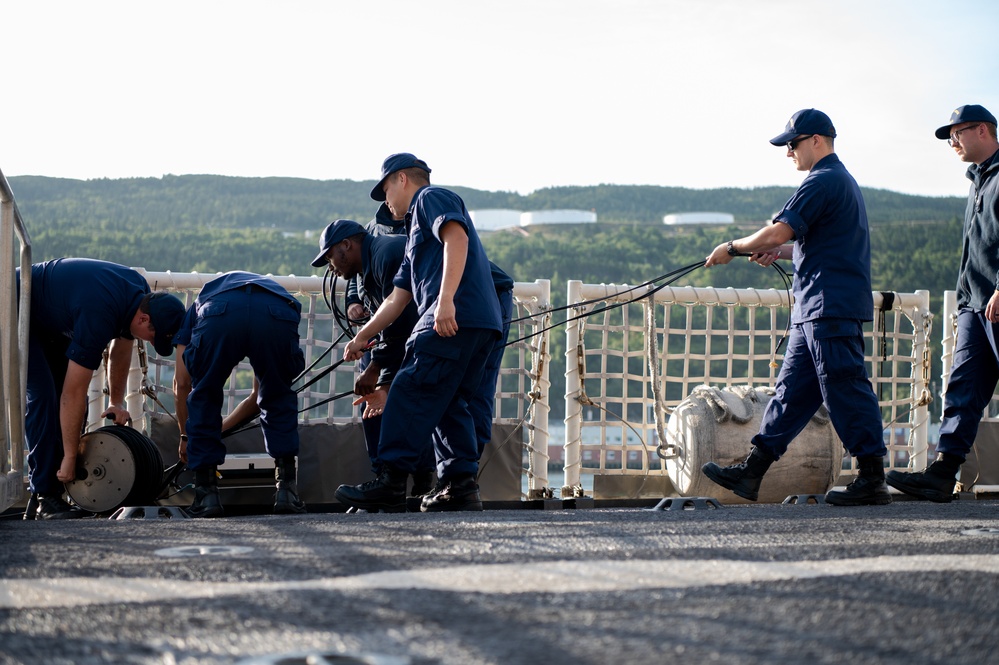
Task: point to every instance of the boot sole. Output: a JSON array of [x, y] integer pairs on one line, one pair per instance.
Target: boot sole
[[206, 514], [919, 492], [709, 471], [871, 501], [371, 506], [470, 506]]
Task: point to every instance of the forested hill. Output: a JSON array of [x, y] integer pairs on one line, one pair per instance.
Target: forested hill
[[293, 204], [215, 223]]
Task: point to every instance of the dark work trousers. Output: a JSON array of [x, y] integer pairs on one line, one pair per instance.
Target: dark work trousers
[[972, 381], [438, 377], [47, 365], [824, 363], [372, 427], [254, 323], [483, 402]]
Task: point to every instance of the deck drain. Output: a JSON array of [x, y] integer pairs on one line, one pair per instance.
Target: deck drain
[[204, 550], [984, 531]]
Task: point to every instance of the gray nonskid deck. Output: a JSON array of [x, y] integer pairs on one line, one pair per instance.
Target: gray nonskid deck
[[908, 583]]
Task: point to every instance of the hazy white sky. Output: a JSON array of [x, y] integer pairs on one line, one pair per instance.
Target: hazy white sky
[[512, 95]]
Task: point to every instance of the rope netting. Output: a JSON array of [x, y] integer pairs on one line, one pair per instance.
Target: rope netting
[[634, 364]]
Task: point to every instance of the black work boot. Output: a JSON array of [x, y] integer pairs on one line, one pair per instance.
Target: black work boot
[[460, 493], [31, 510], [386, 492], [54, 508], [744, 478], [286, 501], [936, 483], [867, 489], [423, 483], [206, 494]]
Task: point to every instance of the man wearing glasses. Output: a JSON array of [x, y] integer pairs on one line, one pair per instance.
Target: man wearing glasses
[[971, 132], [824, 363]]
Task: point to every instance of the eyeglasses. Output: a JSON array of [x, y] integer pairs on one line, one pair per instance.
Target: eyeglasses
[[792, 145], [955, 137]]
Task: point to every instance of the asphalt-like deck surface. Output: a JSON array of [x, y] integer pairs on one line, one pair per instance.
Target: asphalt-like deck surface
[[908, 583]]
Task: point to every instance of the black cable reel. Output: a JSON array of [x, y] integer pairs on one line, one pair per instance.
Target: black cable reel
[[116, 466]]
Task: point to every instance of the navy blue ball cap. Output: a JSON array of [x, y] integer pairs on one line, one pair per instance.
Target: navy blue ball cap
[[805, 121], [166, 313], [966, 113], [336, 232], [393, 163]]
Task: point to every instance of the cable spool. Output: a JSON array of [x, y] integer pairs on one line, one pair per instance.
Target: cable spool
[[117, 466]]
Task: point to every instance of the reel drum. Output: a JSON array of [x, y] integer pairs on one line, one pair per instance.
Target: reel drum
[[117, 466]]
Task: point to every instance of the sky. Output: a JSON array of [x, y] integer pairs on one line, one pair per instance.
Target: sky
[[516, 95]]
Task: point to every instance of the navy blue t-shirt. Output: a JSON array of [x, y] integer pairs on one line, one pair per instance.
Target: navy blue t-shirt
[[475, 301], [229, 281], [89, 301], [832, 245]]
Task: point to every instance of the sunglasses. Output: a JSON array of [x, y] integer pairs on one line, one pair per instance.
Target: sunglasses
[[793, 143]]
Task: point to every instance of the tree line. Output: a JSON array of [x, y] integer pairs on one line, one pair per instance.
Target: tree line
[[271, 225]]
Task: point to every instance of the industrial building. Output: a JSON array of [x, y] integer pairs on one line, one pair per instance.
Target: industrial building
[[698, 218]]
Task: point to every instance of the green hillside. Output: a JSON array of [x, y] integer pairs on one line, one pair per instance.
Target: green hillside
[[214, 223]]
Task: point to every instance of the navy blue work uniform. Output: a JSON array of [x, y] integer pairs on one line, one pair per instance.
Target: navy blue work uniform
[[483, 402], [381, 257], [975, 371], [78, 306], [824, 362], [440, 375], [241, 315]]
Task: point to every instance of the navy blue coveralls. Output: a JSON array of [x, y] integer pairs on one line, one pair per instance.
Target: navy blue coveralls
[[241, 315], [78, 306], [381, 257], [483, 402], [440, 375], [975, 371], [832, 291]]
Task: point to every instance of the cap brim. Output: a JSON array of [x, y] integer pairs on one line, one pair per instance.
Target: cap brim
[[378, 194], [943, 132], [320, 259], [163, 347], [783, 138]]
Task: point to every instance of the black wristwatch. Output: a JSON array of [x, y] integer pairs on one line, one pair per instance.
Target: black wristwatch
[[731, 249]]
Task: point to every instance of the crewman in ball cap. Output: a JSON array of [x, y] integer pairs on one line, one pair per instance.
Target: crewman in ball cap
[[239, 315], [78, 307], [446, 272], [971, 132], [824, 363]]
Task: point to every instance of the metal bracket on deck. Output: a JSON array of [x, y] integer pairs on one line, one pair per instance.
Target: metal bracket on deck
[[149, 513], [795, 499], [687, 503]]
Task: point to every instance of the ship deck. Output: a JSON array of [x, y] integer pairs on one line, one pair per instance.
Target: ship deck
[[912, 582]]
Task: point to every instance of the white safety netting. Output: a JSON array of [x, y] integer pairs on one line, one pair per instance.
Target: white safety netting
[[629, 366]]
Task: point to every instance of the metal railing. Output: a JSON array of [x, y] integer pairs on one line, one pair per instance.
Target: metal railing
[[13, 346]]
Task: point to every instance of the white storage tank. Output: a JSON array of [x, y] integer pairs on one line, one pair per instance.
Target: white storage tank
[[558, 217], [491, 219], [699, 218]]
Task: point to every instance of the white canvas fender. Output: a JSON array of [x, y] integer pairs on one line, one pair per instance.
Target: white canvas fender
[[716, 425]]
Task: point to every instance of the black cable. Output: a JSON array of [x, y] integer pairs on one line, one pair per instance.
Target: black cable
[[674, 275]]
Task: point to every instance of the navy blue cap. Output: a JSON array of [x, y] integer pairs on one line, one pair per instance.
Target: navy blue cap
[[805, 121], [336, 232], [166, 313], [966, 113], [393, 163]]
